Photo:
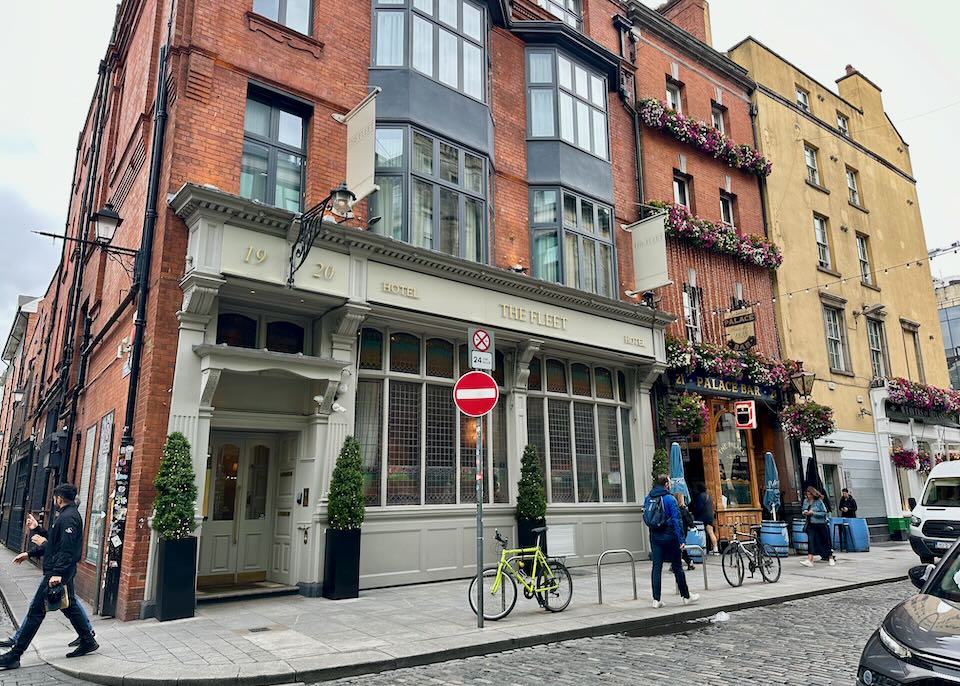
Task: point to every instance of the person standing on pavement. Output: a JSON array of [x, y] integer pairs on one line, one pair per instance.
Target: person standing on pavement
[[662, 516], [818, 530], [687, 523], [847, 505], [61, 553], [702, 508]]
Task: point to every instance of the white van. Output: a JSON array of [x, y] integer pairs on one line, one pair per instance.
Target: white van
[[935, 524]]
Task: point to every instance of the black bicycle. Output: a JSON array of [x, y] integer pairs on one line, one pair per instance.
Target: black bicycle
[[746, 551]]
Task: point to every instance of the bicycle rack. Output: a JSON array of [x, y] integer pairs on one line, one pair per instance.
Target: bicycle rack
[[633, 569], [703, 563]]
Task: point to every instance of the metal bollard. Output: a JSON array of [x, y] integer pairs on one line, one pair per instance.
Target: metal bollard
[[633, 568]]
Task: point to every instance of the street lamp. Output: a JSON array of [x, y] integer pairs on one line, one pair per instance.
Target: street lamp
[[18, 396], [802, 382], [341, 200], [337, 203], [107, 222]]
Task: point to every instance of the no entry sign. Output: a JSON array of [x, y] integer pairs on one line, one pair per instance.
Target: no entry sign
[[475, 394]]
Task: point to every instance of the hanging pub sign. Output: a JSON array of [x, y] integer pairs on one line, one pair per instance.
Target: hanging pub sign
[[740, 325], [904, 413], [649, 252], [713, 385]]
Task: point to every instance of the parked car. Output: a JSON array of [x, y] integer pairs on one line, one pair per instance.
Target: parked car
[[918, 641], [935, 522]]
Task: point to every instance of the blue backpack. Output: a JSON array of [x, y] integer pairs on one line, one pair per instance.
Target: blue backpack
[[654, 515]]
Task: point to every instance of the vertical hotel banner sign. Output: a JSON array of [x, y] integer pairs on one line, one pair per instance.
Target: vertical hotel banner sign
[[361, 124], [649, 252]]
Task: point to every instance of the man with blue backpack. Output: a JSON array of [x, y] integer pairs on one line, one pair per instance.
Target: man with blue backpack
[[662, 515]]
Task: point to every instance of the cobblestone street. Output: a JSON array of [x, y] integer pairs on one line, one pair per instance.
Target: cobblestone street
[[813, 641]]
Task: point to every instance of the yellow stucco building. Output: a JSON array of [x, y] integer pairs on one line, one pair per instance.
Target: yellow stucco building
[[854, 295]]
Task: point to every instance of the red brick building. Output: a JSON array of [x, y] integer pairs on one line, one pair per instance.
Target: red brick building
[[506, 161]]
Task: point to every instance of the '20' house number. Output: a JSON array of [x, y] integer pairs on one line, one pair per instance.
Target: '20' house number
[[258, 255]]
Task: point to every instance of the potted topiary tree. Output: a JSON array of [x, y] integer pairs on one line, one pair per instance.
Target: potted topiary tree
[[345, 509], [174, 522], [531, 500]]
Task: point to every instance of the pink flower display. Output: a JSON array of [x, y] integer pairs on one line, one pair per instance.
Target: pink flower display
[[657, 115], [923, 397], [690, 414], [807, 421], [729, 364], [719, 238], [905, 459]]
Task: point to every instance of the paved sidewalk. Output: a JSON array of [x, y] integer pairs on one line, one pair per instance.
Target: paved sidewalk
[[291, 638]]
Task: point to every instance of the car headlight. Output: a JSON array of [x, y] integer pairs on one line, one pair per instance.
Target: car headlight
[[894, 646], [915, 520]]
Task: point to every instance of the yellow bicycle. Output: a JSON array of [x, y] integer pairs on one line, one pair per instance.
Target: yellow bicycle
[[547, 580]]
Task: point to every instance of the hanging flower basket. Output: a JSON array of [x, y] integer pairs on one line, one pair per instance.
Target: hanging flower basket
[[904, 459], [807, 421], [719, 238], [705, 138], [925, 462], [689, 414], [923, 397], [729, 364]]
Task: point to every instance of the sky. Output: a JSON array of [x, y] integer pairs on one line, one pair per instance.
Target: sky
[[908, 48]]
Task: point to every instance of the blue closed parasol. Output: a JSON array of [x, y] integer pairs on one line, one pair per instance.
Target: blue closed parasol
[[771, 493], [678, 485]]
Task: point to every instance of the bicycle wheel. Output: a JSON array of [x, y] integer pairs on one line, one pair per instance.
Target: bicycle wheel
[[769, 565], [556, 585], [495, 605], [732, 562]]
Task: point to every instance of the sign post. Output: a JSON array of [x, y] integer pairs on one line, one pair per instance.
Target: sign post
[[475, 394]]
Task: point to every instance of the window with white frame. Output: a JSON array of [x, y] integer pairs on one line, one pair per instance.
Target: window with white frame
[[681, 190], [578, 418], [674, 96], [813, 167], [727, 209], [863, 256], [803, 99], [417, 449], [567, 11], [566, 101], [836, 338], [716, 118], [853, 187], [442, 39], [876, 338], [692, 314], [432, 193], [294, 14], [274, 147], [572, 240], [823, 242], [843, 124]]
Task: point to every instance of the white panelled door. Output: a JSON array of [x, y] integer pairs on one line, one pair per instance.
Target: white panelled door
[[238, 522]]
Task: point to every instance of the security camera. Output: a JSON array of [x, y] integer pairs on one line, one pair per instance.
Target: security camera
[[318, 399]]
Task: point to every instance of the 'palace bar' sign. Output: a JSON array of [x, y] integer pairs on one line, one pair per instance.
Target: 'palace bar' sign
[[713, 385]]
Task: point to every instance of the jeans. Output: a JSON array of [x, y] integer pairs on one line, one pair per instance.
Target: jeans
[[667, 551], [38, 611], [84, 617]]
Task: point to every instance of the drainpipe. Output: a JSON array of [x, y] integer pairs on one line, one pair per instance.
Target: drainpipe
[[141, 286]]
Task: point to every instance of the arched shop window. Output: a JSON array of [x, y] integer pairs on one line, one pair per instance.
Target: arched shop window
[[417, 449], [285, 337], [735, 487], [236, 330], [582, 433]]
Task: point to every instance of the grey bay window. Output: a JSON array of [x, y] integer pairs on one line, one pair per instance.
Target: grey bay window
[[441, 39], [294, 14], [417, 449], [578, 417], [567, 11], [572, 240], [566, 100], [432, 193], [272, 167]]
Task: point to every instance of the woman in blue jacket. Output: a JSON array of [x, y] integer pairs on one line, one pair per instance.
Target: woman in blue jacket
[[819, 541]]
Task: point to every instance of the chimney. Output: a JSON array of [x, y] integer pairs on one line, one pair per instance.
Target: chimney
[[693, 16], [850, 70]]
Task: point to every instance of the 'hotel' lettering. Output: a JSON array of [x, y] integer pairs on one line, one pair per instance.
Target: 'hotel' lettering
[[403, 291]]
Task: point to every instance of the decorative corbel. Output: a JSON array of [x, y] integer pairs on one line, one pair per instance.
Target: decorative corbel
[[209, 380], [528, 349]]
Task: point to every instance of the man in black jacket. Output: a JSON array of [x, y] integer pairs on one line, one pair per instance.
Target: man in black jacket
[[61, 553], [847, 505]]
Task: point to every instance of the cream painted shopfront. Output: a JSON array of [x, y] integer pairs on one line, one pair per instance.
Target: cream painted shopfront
[[369, 341]]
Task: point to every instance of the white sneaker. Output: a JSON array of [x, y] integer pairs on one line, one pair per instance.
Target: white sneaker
[[833, 563], [806, 563], [657, 604], [694, 597]]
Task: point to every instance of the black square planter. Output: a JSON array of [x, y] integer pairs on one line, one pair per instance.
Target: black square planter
[[176, 579], [341, 564], [525, 536]]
